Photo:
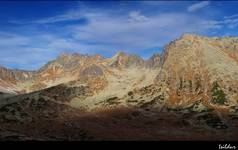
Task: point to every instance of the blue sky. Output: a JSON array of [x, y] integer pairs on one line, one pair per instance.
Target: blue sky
[[32, 33]]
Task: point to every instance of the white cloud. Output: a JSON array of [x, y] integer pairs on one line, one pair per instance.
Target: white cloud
[[212, 24], [107, 32], [9, 39], [137, 16], [232, 16], [119, 32], [197, 6], [72, 15], [132, 32], [231, 22], [28, 58]]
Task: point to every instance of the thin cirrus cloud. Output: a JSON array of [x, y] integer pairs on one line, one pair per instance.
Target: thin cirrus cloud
[[10, 39], [105, 32], [230, 22], [197, 6], [137, 16], [136, 31], [71, 15]]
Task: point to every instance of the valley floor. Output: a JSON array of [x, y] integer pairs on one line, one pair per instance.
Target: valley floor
[[119, 124]]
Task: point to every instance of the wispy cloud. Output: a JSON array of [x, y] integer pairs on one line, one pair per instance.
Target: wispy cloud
[[229, 22], [135, 31], [197, 6], [132, 30], [137, 16], [71, 15], [231, 17], [10, 39]]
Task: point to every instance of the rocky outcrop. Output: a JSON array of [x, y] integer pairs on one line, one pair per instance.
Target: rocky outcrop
[[154, 62], [14, 75], [189, 88], [191, 64], [10, 78], [187, 69], [92, 71], [123, 60]]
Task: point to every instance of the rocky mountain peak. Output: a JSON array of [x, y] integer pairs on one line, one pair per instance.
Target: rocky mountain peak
[[121, 59], [120, 54], [188, 36], [194, 80], [154, 61], [15, 74], [183, 60], [64, 54]]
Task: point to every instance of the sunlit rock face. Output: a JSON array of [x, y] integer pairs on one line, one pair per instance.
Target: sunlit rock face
[[194, 79]]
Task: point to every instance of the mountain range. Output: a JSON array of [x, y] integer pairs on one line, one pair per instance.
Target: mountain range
[[189, 91]]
